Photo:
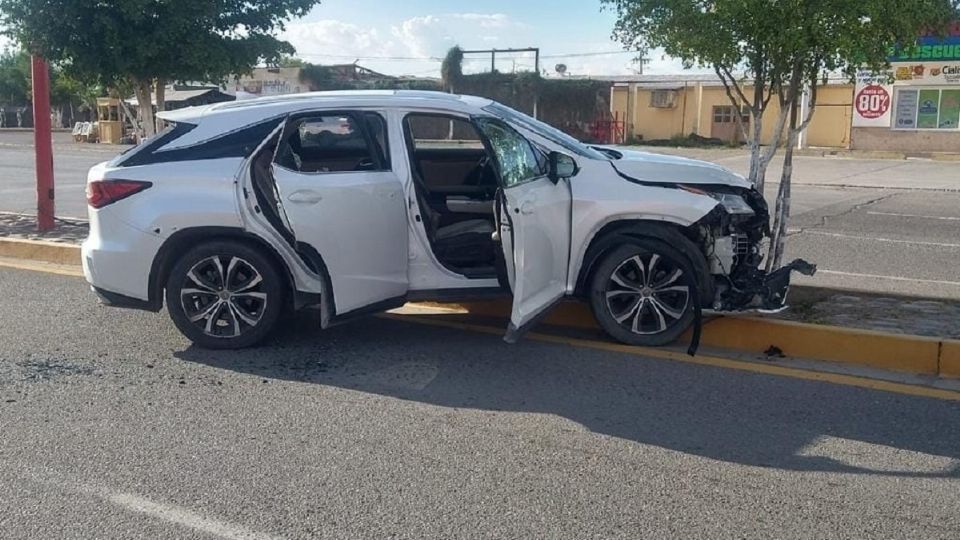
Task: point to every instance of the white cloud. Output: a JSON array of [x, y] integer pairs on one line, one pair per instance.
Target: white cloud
[[326, 41], [415, 46]]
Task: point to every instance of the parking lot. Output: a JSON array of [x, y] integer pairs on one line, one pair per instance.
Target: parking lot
[[114, 427]]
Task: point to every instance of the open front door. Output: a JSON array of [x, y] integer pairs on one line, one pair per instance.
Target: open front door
[[534, 212]]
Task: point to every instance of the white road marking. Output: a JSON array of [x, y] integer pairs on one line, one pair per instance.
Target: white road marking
[[894, 214], [893, 278], [184, 517], [169, 513], [876, 239]]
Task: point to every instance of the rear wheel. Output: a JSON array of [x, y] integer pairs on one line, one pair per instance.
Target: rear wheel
[[642, 293], [225, 295]]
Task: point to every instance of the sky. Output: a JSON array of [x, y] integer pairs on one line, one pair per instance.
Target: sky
[[409, 37]]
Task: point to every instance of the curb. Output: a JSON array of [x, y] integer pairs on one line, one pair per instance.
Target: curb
[[745, 334], [39, 250], [754, 335]]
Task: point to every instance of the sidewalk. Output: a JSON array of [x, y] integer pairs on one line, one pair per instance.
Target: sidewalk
[[839, 168]]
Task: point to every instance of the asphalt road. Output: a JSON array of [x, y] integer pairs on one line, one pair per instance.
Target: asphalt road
[[888, 226], [114, 427]]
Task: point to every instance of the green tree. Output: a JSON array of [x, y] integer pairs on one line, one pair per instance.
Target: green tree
[[763, 50], [151, 42], [451, 70], [14, 78]]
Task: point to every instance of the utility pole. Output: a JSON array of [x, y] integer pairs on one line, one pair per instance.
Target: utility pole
[[43, 143]]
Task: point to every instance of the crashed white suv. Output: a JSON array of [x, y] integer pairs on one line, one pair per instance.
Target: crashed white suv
[[357, 202]]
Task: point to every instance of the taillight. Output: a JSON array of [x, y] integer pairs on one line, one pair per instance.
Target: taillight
[[100, 193]]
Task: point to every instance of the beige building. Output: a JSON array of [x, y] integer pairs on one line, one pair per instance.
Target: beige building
[[661, 107]]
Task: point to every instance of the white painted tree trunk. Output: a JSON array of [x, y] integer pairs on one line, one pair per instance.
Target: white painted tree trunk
[[161, 102], [144, 94]]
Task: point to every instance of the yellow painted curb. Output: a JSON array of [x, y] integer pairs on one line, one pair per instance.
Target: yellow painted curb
[[35, 250], [950, 359], [895, 352]]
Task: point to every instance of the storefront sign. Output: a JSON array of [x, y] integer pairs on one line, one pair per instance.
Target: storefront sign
[[906, 115], [927, 74], [932, 49], [872, 101]]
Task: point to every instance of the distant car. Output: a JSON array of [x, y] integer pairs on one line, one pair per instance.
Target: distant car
[[357, 202]]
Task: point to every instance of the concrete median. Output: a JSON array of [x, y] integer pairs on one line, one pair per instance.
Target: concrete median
[[758, 335], [40, 251]]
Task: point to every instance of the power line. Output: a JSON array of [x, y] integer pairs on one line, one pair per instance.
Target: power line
[[438, 59]]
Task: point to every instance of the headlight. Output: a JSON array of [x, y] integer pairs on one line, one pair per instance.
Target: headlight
[[733, 204]]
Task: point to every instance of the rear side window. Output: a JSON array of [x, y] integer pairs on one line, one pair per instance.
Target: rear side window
[[240, 143], [333, 143]]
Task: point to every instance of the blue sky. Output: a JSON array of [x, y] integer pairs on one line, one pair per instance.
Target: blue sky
[[401, 37]]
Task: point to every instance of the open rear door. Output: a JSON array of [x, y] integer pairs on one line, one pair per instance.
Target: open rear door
[[535, 218]]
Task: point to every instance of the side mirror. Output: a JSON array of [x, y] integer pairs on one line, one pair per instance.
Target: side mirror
[[562, 166]]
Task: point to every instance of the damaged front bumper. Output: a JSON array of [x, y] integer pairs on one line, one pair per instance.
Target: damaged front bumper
[[761, 290]]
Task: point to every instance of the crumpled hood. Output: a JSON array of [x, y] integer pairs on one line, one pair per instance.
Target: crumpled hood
[[663, 169]]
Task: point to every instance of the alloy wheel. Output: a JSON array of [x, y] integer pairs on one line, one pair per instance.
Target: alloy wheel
[[647, 294], [224, 300]]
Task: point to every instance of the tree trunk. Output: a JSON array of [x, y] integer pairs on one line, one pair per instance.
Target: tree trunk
[[144, 94], [161, 101], [782, 214]]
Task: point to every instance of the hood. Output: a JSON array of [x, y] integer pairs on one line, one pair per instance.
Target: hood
[[663, 169]]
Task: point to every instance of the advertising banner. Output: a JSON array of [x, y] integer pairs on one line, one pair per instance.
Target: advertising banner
[[872, 100]]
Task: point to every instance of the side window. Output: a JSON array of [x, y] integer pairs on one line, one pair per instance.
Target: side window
[[239, 143], [519, 162], [328, 143], [434, 132]]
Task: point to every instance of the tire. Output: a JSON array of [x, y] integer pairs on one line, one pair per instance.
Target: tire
[[636, 308], [225, 295]]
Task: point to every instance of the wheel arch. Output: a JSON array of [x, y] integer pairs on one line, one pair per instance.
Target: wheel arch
[[182, 240], [617, 233]]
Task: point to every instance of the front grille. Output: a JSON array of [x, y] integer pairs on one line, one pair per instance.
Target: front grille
[[741, 244]]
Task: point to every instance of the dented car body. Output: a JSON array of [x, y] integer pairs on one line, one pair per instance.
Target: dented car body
[[357, 202]]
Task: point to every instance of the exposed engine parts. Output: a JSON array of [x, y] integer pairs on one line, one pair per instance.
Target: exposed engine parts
[[731, 242]]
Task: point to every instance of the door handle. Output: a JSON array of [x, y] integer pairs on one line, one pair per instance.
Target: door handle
[[527, 208], [305, 196]]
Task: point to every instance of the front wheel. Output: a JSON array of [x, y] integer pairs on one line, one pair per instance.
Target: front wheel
[[642, 293], [225, 295]]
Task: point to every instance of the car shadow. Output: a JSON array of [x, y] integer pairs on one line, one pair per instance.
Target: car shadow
[[722, 414]]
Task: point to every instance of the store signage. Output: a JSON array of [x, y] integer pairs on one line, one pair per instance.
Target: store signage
[[906, 115], [872, 101], [927, 74], [928, 49]]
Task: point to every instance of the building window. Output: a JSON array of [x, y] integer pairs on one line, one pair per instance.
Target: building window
[[727, 114], [928, 108]]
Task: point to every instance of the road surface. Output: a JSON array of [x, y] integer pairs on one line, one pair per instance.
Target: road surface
[[114, 427]]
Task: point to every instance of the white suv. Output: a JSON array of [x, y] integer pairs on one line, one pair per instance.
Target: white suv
[[357, 202]]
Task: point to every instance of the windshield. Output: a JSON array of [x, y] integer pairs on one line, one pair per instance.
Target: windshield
[[544, 130]]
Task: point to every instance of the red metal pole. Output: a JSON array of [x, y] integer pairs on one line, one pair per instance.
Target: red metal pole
[[43, 143]]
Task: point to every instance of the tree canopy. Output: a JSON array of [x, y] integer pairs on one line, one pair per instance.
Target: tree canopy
[[146, 41], [783, 49]]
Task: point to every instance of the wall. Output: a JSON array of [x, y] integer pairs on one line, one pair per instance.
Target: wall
[[694, 114], [918, 142]]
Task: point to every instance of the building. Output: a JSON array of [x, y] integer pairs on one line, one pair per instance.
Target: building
[[915, 106], [179, 97], [262, 82], [658, 107]]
